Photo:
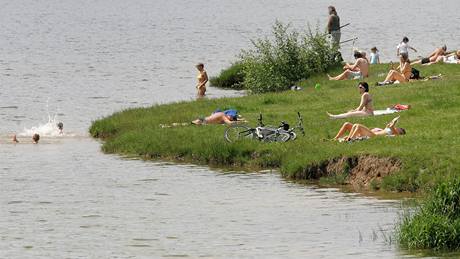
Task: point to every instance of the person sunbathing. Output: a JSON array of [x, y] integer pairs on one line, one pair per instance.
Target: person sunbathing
[[433, 57], [404, 73], [358, 70], [451, 58], [219, 117], [365, 108], [359, 131]]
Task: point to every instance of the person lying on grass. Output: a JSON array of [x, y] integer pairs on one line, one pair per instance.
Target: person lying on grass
[[358, 70], [359, 131], [404, 73], [218, 117], [433, 57], [452, 58], [365, 108]]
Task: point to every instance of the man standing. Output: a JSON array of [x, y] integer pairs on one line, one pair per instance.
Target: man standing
[[333, 26]]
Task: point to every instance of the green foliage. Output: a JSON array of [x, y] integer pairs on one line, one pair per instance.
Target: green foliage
[[231, 78], [436, 224], [278, 63]]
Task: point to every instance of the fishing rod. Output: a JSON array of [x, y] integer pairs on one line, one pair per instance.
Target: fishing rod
[[345, 41], [344, 25]]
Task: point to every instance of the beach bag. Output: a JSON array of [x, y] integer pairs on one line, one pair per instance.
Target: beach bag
[[415, 74]]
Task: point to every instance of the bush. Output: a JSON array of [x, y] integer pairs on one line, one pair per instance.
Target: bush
[[231, 77], [436, 224], [278, 63]]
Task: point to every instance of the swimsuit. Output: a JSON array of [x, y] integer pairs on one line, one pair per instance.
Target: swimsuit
[[388, 131], [355, 75], [425, 60]]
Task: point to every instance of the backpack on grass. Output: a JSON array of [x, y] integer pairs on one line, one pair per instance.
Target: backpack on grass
[[415, 74]]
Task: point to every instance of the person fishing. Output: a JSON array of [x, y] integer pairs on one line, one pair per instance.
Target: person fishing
[[333, 26]]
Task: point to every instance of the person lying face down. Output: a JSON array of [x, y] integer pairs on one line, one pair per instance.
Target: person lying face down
[[359, 130], [216, 118]]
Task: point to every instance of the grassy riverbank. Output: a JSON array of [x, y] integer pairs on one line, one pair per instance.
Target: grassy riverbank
[[428, 153]]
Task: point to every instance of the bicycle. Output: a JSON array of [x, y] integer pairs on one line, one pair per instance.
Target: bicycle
[[263, 133], [299, 126]]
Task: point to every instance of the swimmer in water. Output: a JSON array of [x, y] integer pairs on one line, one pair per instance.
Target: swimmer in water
[[60, 126], [35, 138]]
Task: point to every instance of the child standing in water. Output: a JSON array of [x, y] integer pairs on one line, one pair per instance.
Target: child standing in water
[[202, 80], [404, 47], [375, 57]]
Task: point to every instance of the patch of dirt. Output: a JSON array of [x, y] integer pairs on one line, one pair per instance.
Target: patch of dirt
[[361, 170]]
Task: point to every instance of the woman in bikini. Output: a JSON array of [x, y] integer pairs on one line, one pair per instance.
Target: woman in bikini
[[359, 130], [404, 73], [202, 80], [365, 108]]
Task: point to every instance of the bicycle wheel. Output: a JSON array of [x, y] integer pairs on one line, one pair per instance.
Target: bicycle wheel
[[278, 137], [237, 132]]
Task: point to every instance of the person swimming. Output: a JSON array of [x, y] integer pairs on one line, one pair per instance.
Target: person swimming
[[60, 126], [35, 138]]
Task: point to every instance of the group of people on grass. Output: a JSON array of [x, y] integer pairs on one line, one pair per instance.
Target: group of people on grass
[[365, 108], [359, 70], [403, 73]]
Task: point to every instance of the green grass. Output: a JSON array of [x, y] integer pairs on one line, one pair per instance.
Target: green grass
[[428, 152], [436, 223]]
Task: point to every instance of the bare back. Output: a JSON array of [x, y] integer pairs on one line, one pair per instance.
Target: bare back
[[366, 102], [363, 66]]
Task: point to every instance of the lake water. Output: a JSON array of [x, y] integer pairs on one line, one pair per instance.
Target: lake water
[[81, 60]]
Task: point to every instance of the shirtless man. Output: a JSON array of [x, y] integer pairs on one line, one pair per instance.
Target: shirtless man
[[358, 70], [433, 57]]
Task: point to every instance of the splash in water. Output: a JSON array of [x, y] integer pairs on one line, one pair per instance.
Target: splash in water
[[49, 129]]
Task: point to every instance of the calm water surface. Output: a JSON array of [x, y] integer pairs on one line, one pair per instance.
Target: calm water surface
[[81, 60]]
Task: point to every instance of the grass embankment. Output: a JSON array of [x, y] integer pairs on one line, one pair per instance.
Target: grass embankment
[[428, 153]]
